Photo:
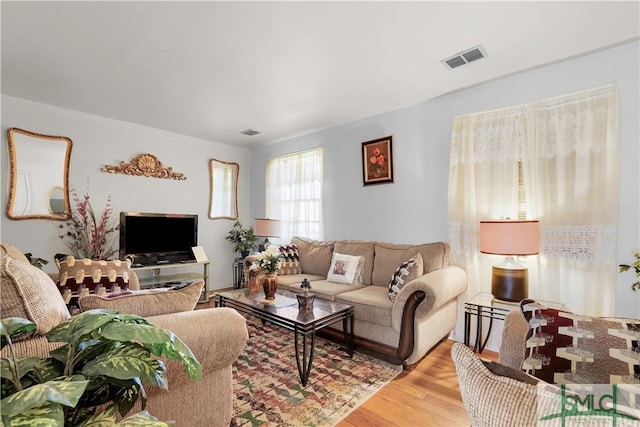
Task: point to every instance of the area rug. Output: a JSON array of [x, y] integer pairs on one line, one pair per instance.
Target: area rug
[[268, 391]]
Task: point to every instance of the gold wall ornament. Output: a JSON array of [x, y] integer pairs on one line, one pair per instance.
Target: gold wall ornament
[[145, 165]]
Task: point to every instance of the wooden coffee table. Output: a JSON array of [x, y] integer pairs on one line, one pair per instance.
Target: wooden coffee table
[[283, 311]]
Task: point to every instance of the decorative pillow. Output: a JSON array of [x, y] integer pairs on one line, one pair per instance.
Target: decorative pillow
[[74, 272], [291, 261], [30, 293], [406, 272], [345, 269], [567, 348], [147, 303]]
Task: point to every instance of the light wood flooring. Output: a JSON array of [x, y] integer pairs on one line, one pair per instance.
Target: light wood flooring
[[428, 395]]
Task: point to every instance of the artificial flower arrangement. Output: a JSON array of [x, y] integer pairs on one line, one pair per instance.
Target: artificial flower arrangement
[[635, 266], [269, 261], [84, 235], [243, 240]]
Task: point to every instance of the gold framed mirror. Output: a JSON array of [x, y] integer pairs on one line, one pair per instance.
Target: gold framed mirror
[[224, 189], [39, 175]]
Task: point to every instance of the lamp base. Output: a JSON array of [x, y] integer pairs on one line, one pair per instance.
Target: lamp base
[[508, 284]]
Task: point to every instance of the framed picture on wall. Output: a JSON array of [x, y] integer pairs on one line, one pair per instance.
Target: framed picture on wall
[[377, 161]]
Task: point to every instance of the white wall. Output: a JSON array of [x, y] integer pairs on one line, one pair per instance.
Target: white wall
[[98, 141], [414, 208]]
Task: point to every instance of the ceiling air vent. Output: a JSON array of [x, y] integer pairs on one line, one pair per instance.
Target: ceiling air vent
[[250, 132], [465, 57]]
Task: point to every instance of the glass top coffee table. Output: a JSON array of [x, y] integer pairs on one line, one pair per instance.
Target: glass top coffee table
[[283, 311]]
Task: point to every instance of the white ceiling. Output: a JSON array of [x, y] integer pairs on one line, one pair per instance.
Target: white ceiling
[[212, 69]]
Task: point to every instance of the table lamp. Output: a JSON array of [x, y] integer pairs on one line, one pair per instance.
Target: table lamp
[[265, 227], [510, 280]]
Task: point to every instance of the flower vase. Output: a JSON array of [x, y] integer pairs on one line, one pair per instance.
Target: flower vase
[[270, 285]]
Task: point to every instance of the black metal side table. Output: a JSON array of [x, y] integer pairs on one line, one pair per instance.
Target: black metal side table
[[238, 273], [484, 305]]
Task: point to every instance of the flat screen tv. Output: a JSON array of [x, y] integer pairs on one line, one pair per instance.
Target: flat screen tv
[[158, 238]]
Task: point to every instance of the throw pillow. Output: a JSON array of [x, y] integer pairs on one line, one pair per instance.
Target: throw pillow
[[406, 272], [567, 348], [30, 293], [74, 272], [291, 261], [147, 303], [345, 269]]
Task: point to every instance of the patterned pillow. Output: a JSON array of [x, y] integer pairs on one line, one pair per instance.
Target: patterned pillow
[[346, 269], [291, 262], [30, 293], [75, 272], [154, 302], [406, 272], [567, 348]]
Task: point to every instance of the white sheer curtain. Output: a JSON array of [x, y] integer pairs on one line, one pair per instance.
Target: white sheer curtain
[[568, 148], [294, 194], [571, 179]]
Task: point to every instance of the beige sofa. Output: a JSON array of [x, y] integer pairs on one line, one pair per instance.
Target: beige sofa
[[400, 331], [216, 336]]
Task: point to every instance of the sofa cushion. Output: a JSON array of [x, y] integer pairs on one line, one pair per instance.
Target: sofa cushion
[[371, 304], [291, 261], [564, 347], [327, 290], [30, 293], [406, 272], [315, 256], [345, 269], [294, 280], [74, 272], [387, 259], [154, 302], [359, 248]]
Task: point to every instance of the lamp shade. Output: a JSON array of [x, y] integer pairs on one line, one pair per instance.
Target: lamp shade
[[266, 227], [510, 237]]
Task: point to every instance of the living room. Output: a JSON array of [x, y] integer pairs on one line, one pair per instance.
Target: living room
[[412, 209]]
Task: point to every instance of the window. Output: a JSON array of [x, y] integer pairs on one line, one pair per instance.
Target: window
[[554, 160], [294, 194]]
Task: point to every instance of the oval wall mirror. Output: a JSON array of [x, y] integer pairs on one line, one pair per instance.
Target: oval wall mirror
[[39, 175], [224, 189]]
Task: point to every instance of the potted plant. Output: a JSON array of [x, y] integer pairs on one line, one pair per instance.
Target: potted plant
[[635, 267], [96, 376], [243, 239]]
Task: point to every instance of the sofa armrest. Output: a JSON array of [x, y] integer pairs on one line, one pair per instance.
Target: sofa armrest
[[514, 337], [216, 336], [439, 286]]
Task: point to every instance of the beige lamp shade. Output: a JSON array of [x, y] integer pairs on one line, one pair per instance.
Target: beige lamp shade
[[510, 237], [266, 227]]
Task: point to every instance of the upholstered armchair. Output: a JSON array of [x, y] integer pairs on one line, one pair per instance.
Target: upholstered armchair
[[216, 336]]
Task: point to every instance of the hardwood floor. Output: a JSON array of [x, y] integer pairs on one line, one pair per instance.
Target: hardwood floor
[[428, 395]]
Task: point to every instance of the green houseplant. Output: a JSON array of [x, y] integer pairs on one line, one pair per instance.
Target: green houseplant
[[635, 267], [96, 376], [243, 240]]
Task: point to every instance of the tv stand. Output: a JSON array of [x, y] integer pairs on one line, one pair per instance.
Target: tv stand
[[159, 275]]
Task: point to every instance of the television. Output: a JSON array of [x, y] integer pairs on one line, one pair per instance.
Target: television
[[158, 238]]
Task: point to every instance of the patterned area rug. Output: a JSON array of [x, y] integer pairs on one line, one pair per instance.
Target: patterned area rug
[[268, 390]]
